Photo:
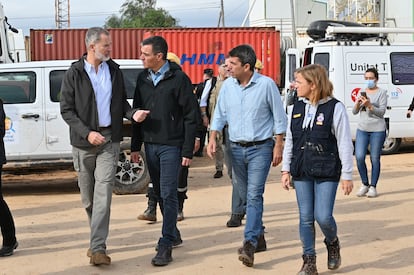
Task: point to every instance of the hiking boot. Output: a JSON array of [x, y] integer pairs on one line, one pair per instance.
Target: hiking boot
[[218, 174], [261, 245], [150, 214], [309, 265], [235, 220], [362, 190], [99, 258], [176, 243], [246, 255], [372, 192], [8, 250], [334, 256], [163, 256], [180, 216]]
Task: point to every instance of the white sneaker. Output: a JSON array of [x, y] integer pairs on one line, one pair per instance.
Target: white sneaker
[[362, 190], [372, 192]]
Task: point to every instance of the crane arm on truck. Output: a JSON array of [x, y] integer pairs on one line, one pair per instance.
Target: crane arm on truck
[[5, 55]]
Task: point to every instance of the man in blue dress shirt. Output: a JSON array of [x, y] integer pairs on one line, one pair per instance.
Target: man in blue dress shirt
[[250, 104]]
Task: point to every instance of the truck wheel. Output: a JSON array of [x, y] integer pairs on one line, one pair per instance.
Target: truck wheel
[[130, 178], [391, 146]]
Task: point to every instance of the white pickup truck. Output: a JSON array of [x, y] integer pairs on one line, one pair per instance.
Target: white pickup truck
[[36, 134]]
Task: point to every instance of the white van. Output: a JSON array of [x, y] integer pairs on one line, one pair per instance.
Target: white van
[[347, 56], [36, 134]]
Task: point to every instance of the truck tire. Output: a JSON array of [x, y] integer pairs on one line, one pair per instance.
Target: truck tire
[[130, 178], [391, 146]]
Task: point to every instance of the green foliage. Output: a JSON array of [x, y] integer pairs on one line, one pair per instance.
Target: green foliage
[[141, 14]]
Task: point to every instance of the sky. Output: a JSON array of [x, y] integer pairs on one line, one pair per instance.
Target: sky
[[29, 14]]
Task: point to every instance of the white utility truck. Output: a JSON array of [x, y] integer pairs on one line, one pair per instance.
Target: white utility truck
[[346, 51]]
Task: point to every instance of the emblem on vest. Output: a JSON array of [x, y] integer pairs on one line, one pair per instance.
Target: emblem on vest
[[320, 119]]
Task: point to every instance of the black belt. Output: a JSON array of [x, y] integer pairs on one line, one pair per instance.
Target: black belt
[[251, 143], [104, 128]]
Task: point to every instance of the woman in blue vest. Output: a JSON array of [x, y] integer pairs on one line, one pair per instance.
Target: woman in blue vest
[[317, 154]]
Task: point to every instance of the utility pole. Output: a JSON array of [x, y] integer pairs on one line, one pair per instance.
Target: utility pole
[[221, 17], [62, 14]]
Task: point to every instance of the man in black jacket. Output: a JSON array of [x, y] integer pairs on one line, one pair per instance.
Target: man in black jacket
[[150, 214], [93, 103], [165, 94]]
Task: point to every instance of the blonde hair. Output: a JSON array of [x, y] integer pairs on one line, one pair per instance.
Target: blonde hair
[[316, 74]]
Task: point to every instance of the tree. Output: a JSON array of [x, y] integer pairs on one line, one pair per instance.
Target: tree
[[141, 14]]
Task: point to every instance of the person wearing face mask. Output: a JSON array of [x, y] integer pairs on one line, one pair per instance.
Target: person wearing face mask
[[371, 132]]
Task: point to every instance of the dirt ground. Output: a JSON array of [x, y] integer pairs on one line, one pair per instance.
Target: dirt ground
[[376, 234]]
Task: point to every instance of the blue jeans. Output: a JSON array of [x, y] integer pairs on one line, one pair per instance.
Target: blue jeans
[[238, 204], [250, 168], [375, 140], [164, 164], [316, 202]]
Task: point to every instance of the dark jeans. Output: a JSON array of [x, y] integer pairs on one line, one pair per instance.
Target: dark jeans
[[8, 230], [164, 162]]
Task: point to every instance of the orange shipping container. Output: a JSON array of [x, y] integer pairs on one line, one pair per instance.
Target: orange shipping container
[[198, 48]]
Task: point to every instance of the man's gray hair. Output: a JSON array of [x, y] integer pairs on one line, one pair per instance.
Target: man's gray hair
[[93, 35]]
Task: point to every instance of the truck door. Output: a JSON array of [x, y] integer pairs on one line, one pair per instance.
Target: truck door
[[57, 131], [292, 63], [23, 108]]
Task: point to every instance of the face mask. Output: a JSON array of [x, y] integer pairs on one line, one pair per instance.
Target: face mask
[[370, 83]]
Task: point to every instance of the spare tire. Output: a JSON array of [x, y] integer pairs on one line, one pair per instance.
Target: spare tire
[[130, 177]]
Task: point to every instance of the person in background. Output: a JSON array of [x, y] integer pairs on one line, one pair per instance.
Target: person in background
[[8, 230], [150, 214], [250, 104], [209, 83], [167, 130], [93, 103], [209, 111], [258, 67], [223, 150], [410, 108], [317, 153], [371, 132]]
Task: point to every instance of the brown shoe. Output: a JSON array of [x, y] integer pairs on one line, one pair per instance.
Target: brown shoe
[[89, 253], [99, 258]]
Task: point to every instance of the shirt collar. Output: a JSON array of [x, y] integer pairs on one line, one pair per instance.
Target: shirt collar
[[252, 80], [89, 67], [164, 68]]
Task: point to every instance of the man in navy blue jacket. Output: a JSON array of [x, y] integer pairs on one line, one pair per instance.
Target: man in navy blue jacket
[[167, 128]]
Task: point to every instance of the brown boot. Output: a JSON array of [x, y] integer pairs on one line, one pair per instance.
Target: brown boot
[[99, 258], [334, 255], [150, 214], [309, 265], [247, 254]]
